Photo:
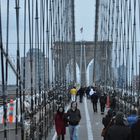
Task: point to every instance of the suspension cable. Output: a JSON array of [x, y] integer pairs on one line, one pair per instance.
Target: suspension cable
[[3, 82], [24, 70], [18, 65]]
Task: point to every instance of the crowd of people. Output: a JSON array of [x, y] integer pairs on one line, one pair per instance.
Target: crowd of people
[[119, 127], [116, 125]]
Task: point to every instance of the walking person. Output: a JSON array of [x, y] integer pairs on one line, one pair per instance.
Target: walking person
[[119, 131], [135, 129], [107, 121], [103, 99], [73, 93], [132, 118], [87, 92], [74, 117], [60, 123], [81, 93], [113, 102], [94, 100]]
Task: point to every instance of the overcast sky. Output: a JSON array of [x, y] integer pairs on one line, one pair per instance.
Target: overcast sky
[[84, 17]]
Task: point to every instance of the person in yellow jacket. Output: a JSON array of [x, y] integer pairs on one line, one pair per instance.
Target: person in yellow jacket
[[73, 93]]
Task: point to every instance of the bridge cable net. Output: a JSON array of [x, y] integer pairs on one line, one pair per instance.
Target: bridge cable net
[[119, 24], [38, 32]]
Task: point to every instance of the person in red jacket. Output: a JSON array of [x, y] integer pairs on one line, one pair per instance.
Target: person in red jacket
[[60, 126]]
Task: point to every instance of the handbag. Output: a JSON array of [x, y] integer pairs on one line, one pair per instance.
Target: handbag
[[105, 129], [103, 133]]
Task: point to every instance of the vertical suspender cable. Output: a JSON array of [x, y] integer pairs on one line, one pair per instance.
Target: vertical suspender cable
[[133, 49], [123, 47], [44, 69], [107, 47], [39, 40], [7, 41], [126, 44], [31, 69], [51, 45], [59, 46], [47, 64], [7, 45], [116, 38], [112, 39], [73, 40], [96, 38], [37, 61], [18, 65], [24, 69], [3, 81]]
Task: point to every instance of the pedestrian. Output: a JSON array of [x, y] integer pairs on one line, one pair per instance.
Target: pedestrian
[[74, 117], [87, 92], [60, 123], [103, 99], [113, 102], [135, 129], [91, 92], [132, 118], [94, 99], [119, 131], [81, 93], [107, 121], [73, 93]]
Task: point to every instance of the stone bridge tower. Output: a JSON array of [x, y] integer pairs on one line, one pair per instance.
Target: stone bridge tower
[[84, 54]]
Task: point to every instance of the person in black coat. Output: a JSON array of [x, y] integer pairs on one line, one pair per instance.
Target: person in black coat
[[94, 100], [87, 92], [81, 93], [107, 121], [113, 102], [119, 131], [74, 117], [135, 129], [103, 99]]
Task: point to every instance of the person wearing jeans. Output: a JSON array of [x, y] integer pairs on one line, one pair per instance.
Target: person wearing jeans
[[73, 130], [74, 117]]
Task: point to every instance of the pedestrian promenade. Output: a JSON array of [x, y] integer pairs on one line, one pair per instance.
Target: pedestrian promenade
[[90, 125]]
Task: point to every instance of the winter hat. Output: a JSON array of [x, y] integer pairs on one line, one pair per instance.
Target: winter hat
[[119, 118]]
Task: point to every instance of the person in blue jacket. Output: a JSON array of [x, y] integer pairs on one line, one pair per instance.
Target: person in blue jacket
[[132, 119]]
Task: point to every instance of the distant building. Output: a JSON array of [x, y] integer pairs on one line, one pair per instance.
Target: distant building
[[135, 82], [39, 68], [121, 80], [10, 92], [84, 55]]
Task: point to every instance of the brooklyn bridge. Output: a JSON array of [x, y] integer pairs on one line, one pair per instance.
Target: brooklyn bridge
[[44, 67]]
